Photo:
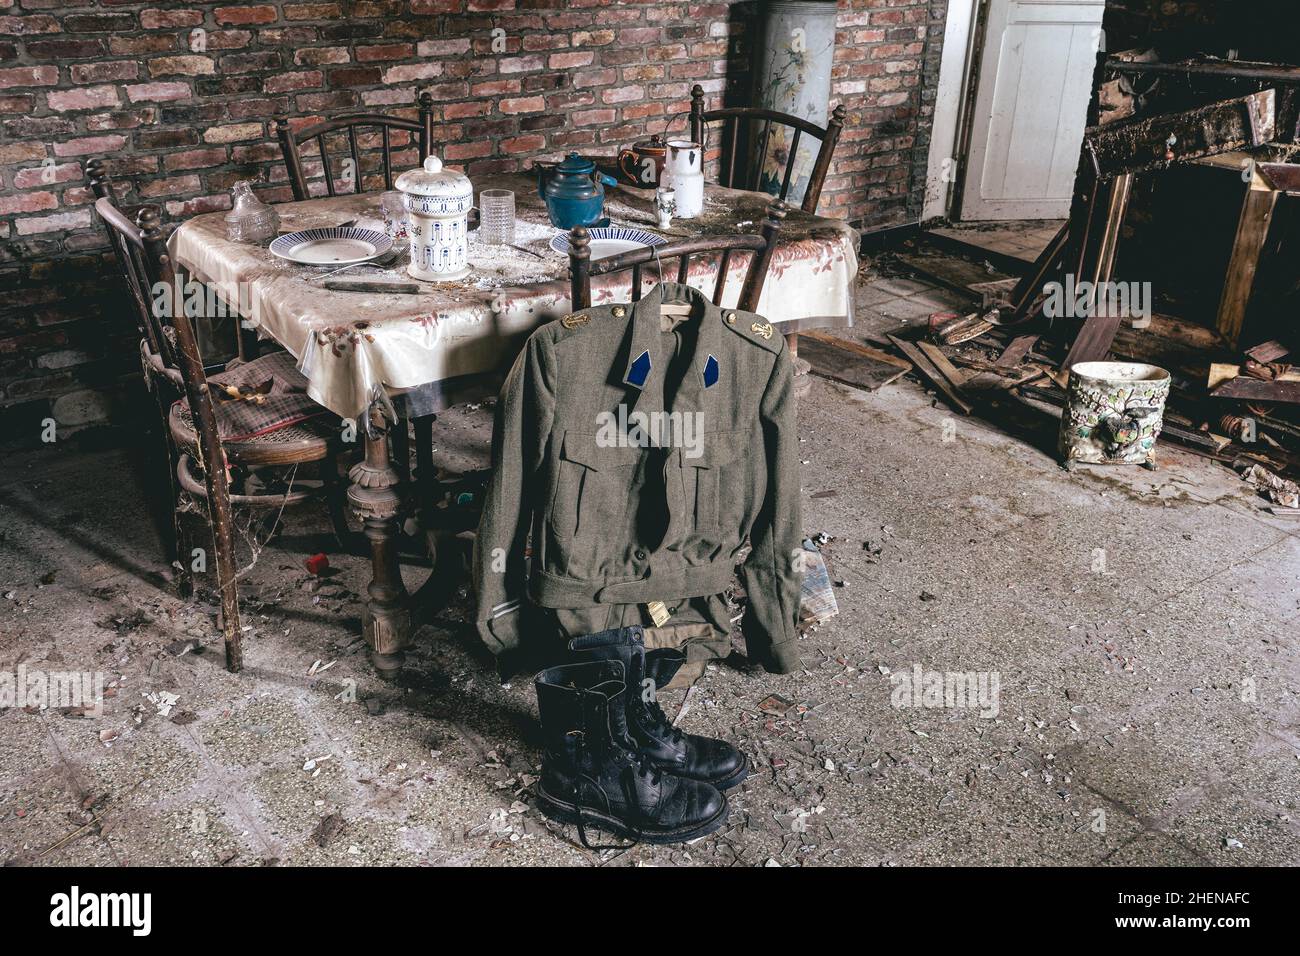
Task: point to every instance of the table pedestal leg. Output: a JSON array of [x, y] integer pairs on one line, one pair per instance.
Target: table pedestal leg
[[375, 494]]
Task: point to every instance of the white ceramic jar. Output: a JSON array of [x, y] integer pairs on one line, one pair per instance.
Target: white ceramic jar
[[437, 202]]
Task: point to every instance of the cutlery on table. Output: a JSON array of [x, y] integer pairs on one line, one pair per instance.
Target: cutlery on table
[[362, 285]]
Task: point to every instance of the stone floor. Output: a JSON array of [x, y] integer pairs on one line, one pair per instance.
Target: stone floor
[[1021, 238], [1141, 628]]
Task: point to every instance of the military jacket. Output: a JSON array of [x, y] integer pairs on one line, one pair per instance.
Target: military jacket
[[633, 456]]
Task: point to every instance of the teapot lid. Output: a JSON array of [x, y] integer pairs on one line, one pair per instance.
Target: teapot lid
[[573, 163], [434, 180]]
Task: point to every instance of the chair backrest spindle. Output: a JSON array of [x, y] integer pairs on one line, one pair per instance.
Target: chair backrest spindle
[[291, 141], [760, 246], [733, 169]]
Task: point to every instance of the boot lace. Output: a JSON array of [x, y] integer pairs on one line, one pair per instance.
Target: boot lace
[[660, 724], [639, 763]]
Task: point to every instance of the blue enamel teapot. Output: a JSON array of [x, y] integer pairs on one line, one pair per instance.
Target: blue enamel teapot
[[574, 192]]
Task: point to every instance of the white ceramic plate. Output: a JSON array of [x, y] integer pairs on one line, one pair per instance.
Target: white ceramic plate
[[332, 247], [610, 240]]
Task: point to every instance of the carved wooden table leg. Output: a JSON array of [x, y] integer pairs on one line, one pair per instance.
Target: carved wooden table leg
[[375, 494]]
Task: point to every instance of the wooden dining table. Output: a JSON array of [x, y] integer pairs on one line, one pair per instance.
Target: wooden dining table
[[380, 358]]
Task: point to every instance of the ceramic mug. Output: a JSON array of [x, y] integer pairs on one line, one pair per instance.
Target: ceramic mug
[[684, 173]]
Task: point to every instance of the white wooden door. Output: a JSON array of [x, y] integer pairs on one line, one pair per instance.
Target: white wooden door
[[1030, 108]]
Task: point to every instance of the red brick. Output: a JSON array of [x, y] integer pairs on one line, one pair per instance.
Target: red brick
[[158, 92], [27, 202], [105, 70], [18, 103], [568, 61], [593, 117], [86, 98], [89, 144], [29, 26], [312, 11], [194, 159], [237, 16], [526, 104], [320, 56], [170, 19], [384, 51], [29, 76], [287, 82], [182, 66]]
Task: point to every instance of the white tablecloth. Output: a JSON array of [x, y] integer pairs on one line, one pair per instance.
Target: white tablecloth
[[356, 347]]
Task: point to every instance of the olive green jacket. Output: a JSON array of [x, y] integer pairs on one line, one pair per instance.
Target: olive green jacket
[[632, 461]]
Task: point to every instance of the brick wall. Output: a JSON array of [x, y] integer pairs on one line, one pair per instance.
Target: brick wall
[[181, 98]]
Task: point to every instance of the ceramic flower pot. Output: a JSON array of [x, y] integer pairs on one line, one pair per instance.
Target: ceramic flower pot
[[437, 203], [1113, 413]]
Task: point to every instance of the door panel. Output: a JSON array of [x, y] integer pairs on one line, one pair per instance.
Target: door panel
[[1030, 108]]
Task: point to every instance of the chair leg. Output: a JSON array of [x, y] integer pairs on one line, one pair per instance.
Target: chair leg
[[184, 563]]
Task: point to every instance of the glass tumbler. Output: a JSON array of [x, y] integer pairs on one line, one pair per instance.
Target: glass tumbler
[[394, 212], [496, 209]]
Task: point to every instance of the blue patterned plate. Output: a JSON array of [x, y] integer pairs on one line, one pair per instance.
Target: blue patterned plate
[[332, 247], [610, 240]]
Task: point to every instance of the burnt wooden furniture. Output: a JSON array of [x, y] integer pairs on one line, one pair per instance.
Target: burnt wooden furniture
[[760, 246], [291, 141], [272, 426]]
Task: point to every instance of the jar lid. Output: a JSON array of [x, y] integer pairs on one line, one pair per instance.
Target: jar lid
[[434, 180]]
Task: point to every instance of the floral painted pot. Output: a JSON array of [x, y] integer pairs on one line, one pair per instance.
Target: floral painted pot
[[1113, 413], [437, 203]]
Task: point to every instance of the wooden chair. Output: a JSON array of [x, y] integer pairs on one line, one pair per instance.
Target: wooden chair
[[738, 173], [759, 245], [260, 406], [351, 122]]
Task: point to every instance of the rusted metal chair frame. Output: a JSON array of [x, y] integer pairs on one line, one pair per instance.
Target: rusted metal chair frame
[[761, 245], [290, 142], [700, 118]]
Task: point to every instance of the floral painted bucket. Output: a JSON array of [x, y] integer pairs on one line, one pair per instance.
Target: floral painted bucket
[[1113, 413]]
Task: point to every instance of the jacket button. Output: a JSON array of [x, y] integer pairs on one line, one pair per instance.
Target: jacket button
[[731, 318], [640, 554]]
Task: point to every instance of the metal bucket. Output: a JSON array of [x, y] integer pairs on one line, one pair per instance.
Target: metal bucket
[[1113, 413]]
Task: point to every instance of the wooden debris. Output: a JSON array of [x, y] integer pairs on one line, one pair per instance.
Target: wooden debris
[[1015, 353], [964, 329], [850, 363], [1269, 351], [1258, 390], [932, 374], [955, 376]]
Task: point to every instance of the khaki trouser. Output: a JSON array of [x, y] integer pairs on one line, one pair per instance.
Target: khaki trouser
[[700, 627]]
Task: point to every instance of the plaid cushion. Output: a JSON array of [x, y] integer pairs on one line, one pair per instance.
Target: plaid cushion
[[257, 399]]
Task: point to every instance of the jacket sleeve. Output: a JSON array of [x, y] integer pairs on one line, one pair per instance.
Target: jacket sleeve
[[774, 570], [520, 429]]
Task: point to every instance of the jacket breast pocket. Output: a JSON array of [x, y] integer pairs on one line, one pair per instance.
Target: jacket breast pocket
[[594, 484], [709, 469]]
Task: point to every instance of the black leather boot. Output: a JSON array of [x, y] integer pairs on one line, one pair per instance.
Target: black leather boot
[[667, 748], [591, 773]]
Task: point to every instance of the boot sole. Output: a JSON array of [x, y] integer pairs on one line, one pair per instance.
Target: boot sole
[[728, 782], [567, 813]]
